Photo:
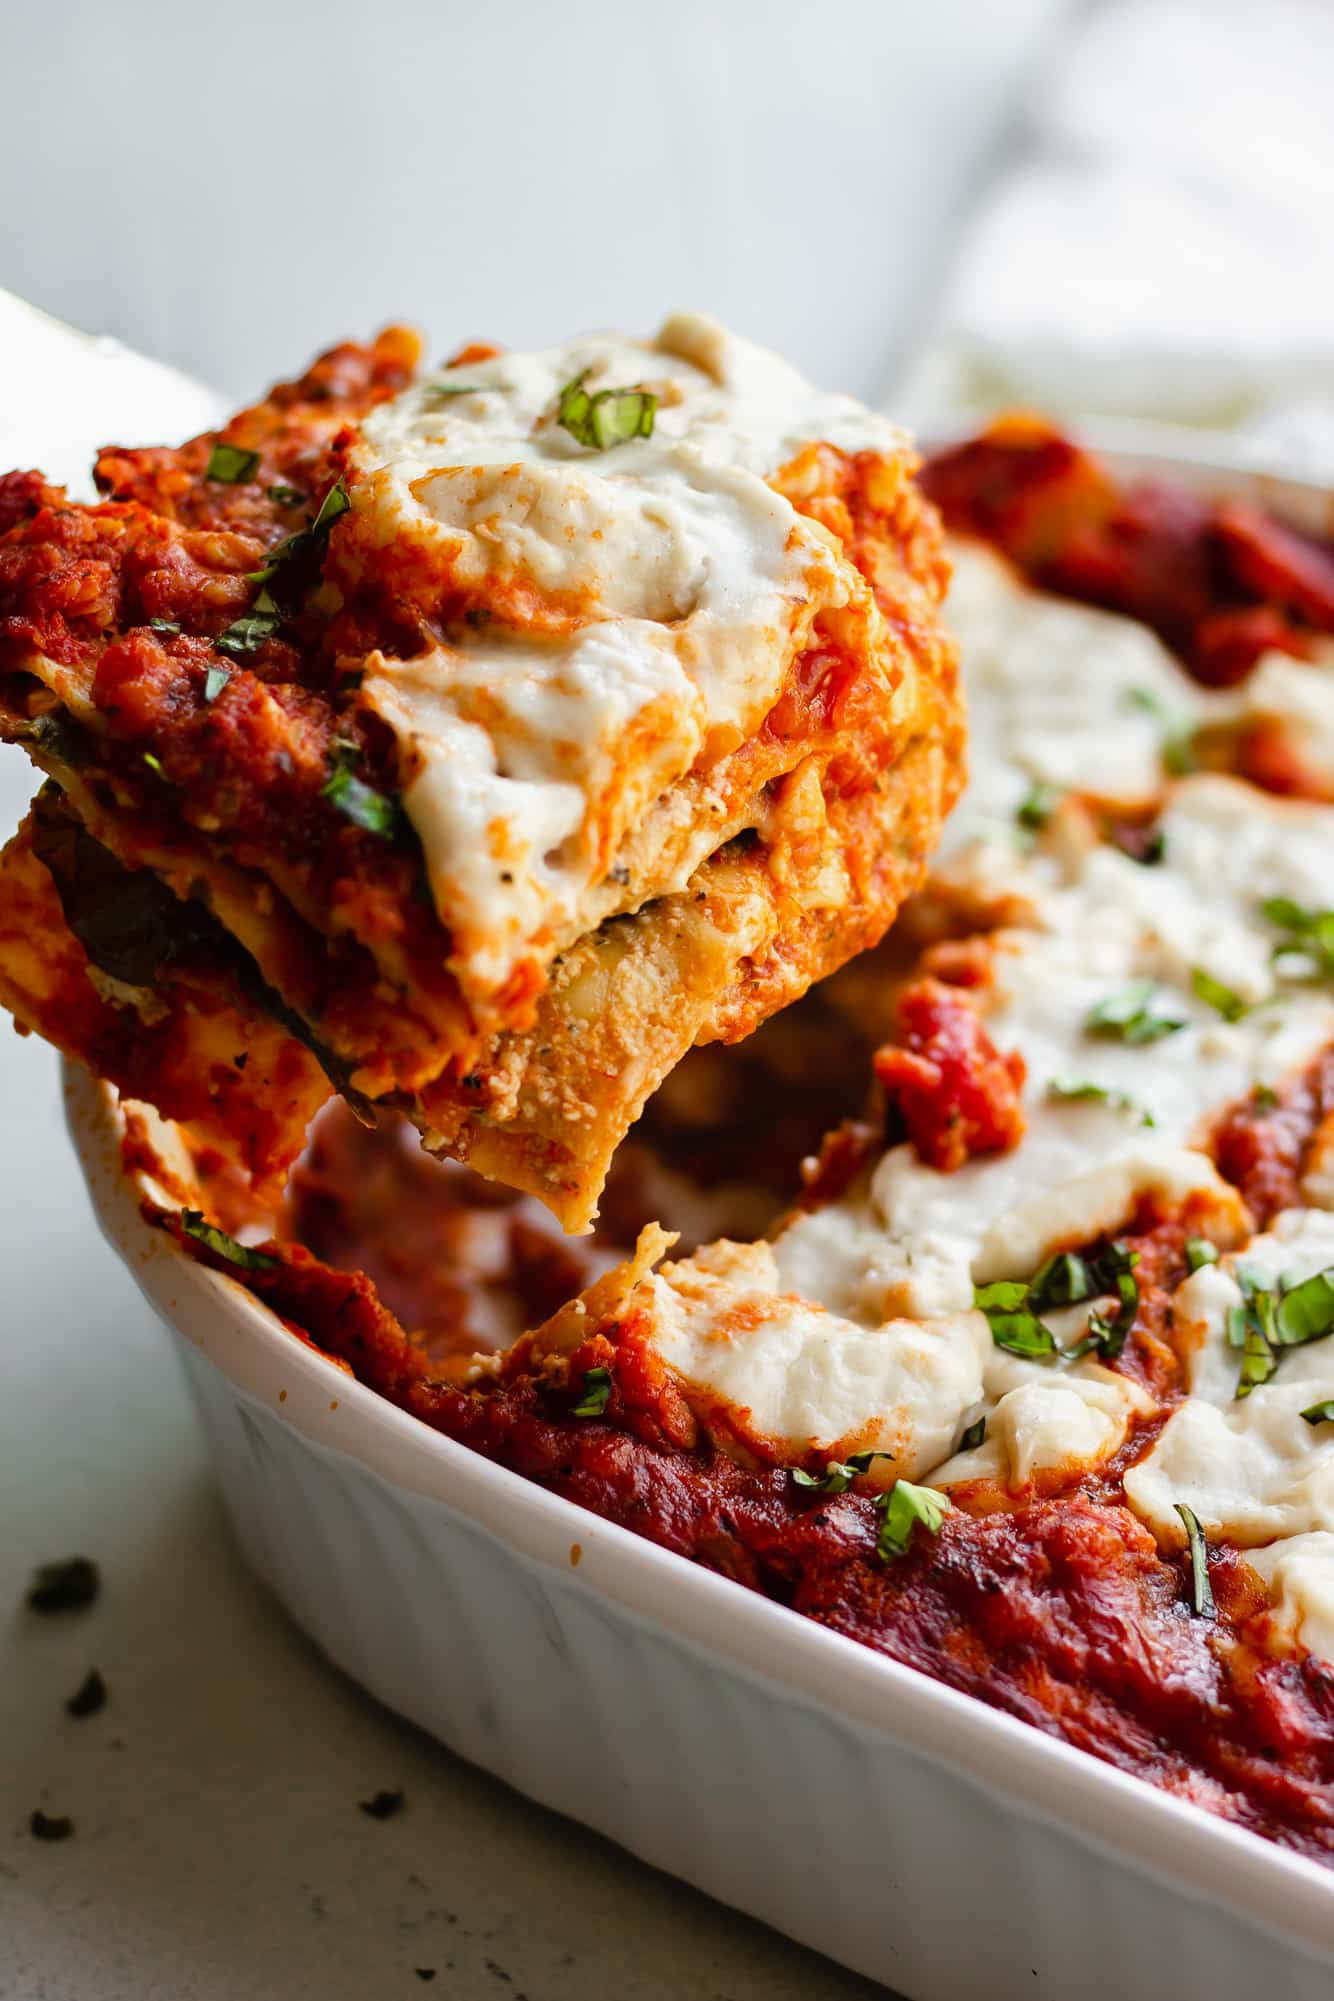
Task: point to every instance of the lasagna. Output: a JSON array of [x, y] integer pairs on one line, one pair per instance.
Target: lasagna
[[472, 743], [1029, 1380]]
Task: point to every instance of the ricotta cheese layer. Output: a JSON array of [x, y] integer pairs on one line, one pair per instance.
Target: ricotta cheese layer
[[623, 615]]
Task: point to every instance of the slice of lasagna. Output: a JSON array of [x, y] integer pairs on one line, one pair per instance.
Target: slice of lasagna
[[477, 743]]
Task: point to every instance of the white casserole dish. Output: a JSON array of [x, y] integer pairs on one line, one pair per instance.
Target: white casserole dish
[[904, 1829]]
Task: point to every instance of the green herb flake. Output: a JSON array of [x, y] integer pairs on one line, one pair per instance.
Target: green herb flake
[[1037, 806], [170, 626], [1320, 1413], [154, 763], [334, 504], [195, 1226], [597, 1390], [1062, 1281], [1130, 1016], [1215, 995], [1310, 933], [838, 1474], [68, 1586], [231, 465], [246, 635], [900, 1510], [286, 496], [611, 417], [1201, 1591], [1082, 1091], [1305, 1312], [440, 392], [1014, 1326], [215, 680], [1200, 1252], [374, 811]]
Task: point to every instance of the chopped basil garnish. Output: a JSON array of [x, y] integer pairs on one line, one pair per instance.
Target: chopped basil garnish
[[154, 763], [356, 800], [216, 1240], [1214, 994], [1264, 1098], [285, 496], [1012, 1306], [838, 1474], [246, 635], [1320, 1413], [1274, 1318], [1038, 805], [215, 680], [1178, 745], [441, 392], [1079, 1090], [597, 1389], [612, 417], [70, 1586], [974, 1434], [900, 1510], [169, 625], [334, 504], [231, 465], [1130, 1016], [1306, 1311], [1311, 932], [1201, 1591], [1200, 1252], [1062, 1281], [1013, 1326]]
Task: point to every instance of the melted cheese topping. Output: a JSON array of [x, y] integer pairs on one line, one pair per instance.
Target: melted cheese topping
[[811, 1339], [642, 607]]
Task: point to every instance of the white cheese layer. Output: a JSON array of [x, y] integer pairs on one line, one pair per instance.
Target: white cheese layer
[[801, 1379], [642, 605], [1252, 1469]]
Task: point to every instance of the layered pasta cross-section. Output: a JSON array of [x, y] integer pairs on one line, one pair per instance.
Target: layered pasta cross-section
[[472, 743]]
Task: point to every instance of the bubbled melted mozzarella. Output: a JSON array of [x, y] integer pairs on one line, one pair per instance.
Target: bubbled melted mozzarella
[[641, 603]]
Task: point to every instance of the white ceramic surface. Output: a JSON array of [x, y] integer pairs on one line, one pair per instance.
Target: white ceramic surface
[[893, 1824]]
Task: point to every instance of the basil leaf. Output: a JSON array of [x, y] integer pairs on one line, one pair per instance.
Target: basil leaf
[[1062, 1281], [597, 1390], [1306, 1312], [1311, 932], [357, 801], [442, 391], [835, 1479], [973, 1435], [860, 1462], [334, 504], [1038, 805], [1201, 1591], [1320, 1413], [1128, 1015], [1013, 1326], [901, 1509], [231, 465], [154, 764], [286, 496], [170, 625], [247, 634], [1081, 1091], [1200, 1252], [1214, 994], [216, 1240], [215, 680], [612, 417]]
